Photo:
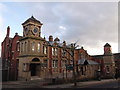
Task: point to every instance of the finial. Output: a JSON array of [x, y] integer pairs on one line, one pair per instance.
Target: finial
[[32, 16], [82, 47], [16, 33], [44, 37], [8, 27]]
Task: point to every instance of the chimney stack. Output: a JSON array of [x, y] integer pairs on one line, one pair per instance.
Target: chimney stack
[[8, 31], [50, 38], [64, 43], [16, 33]]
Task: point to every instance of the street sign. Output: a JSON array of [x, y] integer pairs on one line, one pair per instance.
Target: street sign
[[69, 67]]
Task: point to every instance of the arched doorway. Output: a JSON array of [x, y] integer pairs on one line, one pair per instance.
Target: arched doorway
[[35, 67]]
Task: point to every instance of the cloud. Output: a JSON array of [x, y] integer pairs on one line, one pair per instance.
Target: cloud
[[3, 9], [88, 22], [92, 23]]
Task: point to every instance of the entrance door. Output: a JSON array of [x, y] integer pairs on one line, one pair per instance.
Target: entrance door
[[33, 69]]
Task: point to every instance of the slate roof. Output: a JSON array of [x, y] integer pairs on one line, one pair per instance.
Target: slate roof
[[107, 45], [51, 43], [117, 56], [32, 19], [82, 61]]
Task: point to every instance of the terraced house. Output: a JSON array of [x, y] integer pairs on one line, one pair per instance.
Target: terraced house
[[32, 56]]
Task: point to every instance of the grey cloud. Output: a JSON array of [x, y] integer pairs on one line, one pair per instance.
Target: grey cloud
[[87, 22]]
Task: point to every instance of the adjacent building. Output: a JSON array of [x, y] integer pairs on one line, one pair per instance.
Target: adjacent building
[[107, 61], [9, 54]]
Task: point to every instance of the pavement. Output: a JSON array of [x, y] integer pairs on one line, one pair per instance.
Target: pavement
[[24, 84], [43, 84]]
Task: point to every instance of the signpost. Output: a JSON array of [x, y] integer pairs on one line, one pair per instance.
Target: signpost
[[69, 67]]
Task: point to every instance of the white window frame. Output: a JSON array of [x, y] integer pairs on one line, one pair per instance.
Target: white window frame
[[39, 46], [54, 63], [33, 46]]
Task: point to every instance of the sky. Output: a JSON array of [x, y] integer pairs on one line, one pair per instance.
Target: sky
[[90, 24]]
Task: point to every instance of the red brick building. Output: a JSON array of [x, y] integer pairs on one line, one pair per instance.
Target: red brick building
[[107, 61], [9, 55], [31, 56]]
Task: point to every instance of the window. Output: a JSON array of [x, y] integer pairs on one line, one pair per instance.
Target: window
[[63, 53], [24, 67], [46, 63], [38, 47], [54, 51], [55, 63], [44, 49], [22, 48], [64, 62], [25, 46], [33, 46], [107, 69]]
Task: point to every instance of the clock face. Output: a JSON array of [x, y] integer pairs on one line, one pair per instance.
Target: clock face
[[35, 30]]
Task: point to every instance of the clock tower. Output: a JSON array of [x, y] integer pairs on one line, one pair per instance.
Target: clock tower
[[108, 59], [32, 28], [31, 50], [107, 49]]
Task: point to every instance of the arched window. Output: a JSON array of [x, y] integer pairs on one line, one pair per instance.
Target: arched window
[[56, 51], [33, 46], [38, 47], [22, 48], [25, 47], [44, 49]]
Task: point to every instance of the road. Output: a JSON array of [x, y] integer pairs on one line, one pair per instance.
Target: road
[[111, 84], [107, 83]]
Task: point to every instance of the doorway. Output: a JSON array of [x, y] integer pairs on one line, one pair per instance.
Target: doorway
[[35, 69]]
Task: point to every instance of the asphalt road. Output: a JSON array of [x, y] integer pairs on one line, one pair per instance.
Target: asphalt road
[[108, 83], [111, 84]]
